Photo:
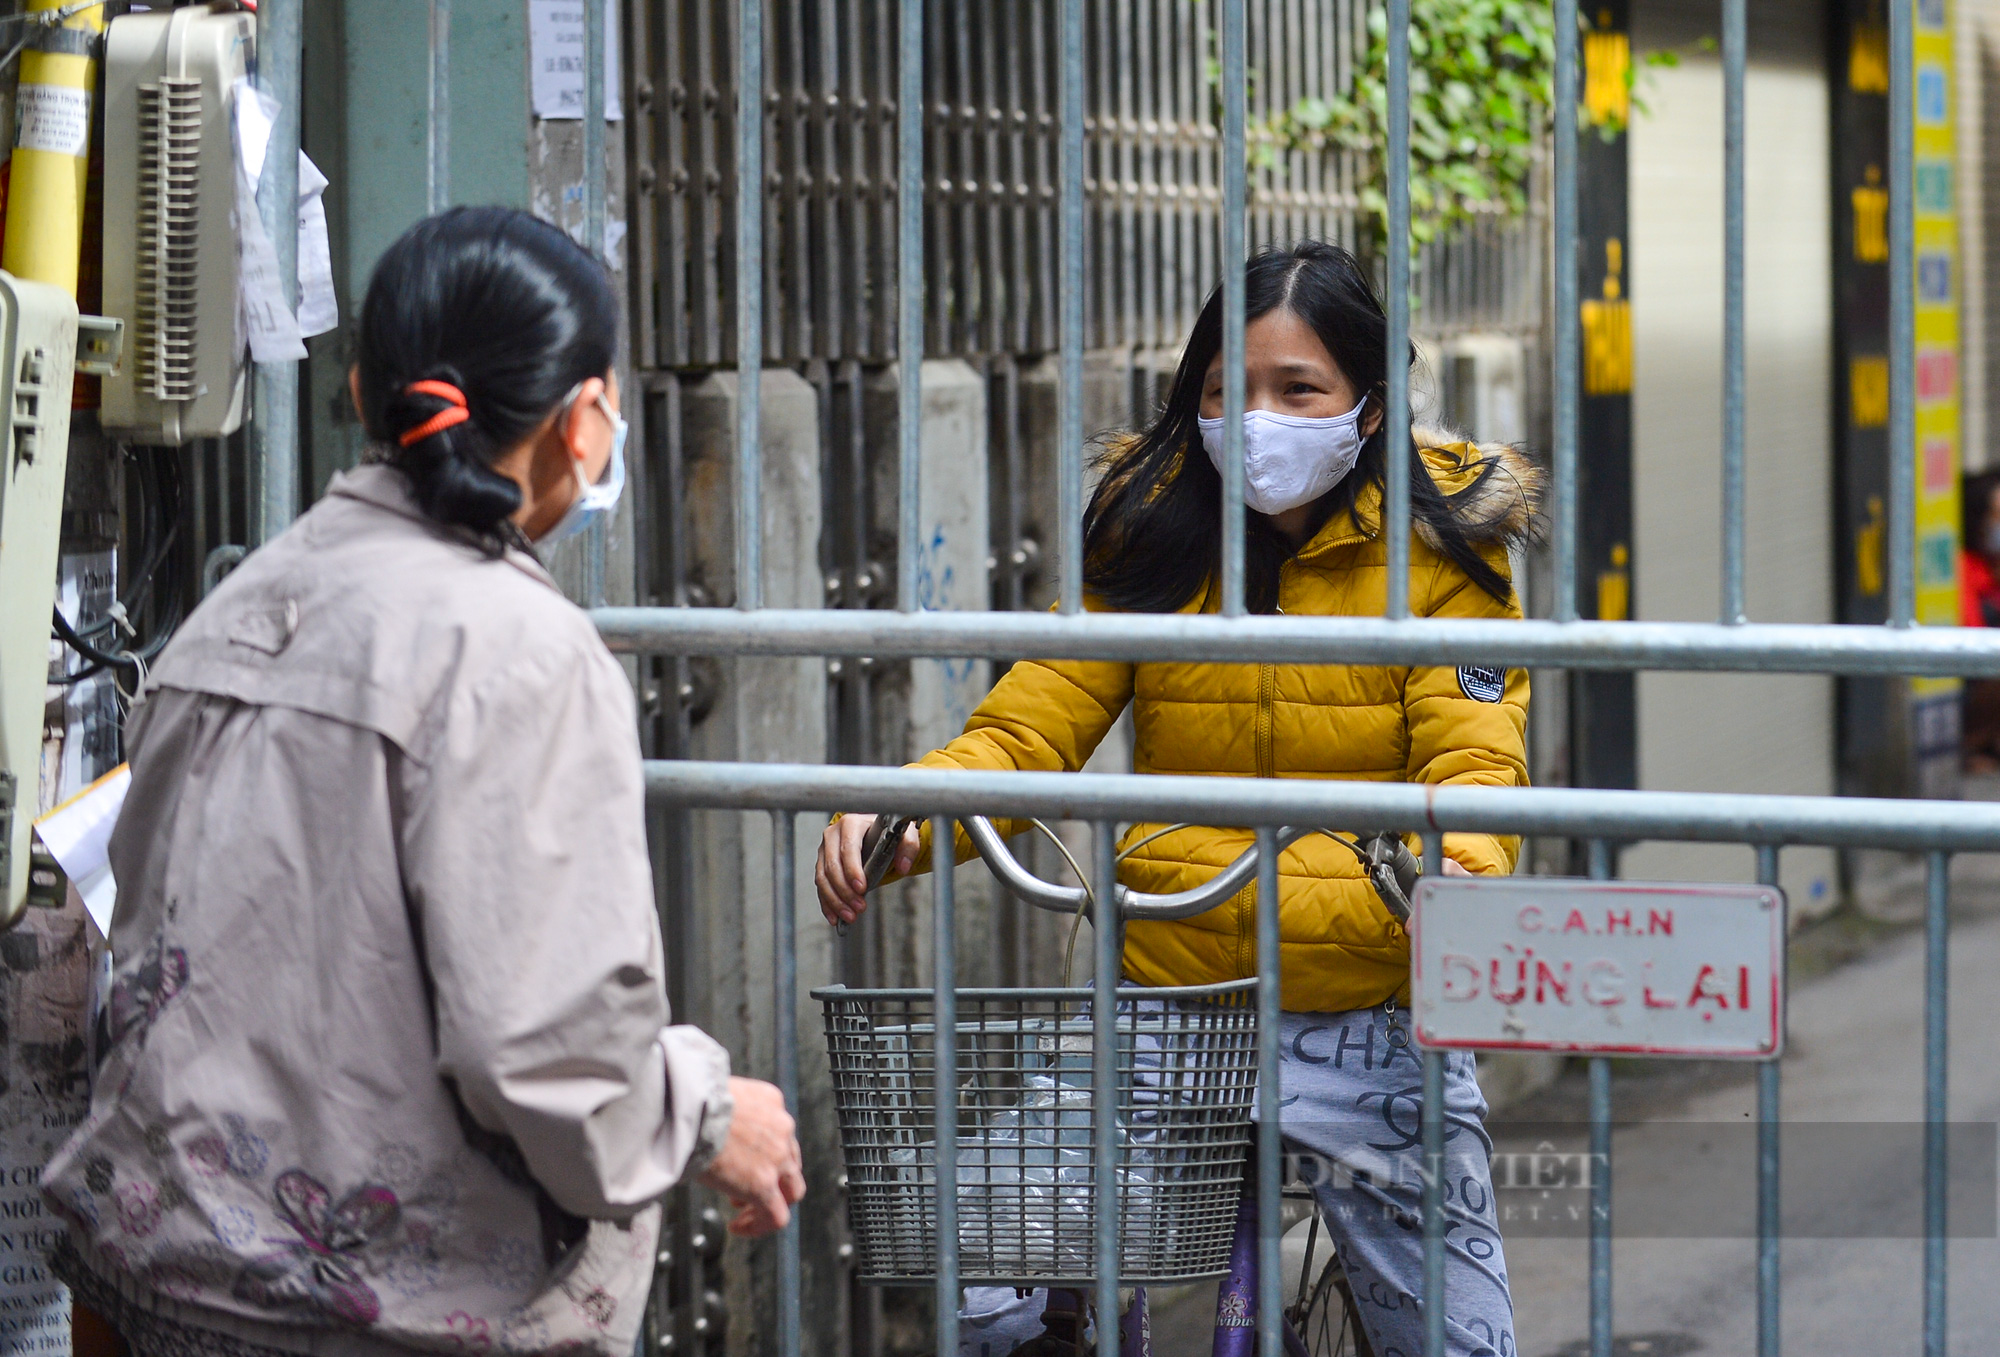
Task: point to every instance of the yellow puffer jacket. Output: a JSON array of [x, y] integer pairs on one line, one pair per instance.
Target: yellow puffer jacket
[[1462, 726]]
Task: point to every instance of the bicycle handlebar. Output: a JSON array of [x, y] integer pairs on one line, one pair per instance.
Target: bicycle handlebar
[[1132, 904]]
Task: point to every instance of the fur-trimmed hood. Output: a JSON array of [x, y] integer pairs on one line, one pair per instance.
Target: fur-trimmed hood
[[1496, 488], [1506, 503]]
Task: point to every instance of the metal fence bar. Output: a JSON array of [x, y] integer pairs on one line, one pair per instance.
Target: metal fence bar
[[1970, 652], [785, 1040], [909, 298], [1433, 1126], [1562, 812], [1600, 1166], [1270, 1141], [1235, 81], [1567, 346], [1600, 1207], [944, 1068], [1937, 960], [1105, 1058], [749, 303], [1396, 419], [1433, 1132], [1770, 1231], [1734, 44], [1902, 319], [274, 427], [1069, 309], [593, 233], [437, 141]]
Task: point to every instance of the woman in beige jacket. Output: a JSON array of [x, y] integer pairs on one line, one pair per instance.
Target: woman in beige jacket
[[390, 1064]]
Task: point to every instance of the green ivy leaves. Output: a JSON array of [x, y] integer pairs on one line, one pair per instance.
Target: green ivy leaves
[[1480, 91]]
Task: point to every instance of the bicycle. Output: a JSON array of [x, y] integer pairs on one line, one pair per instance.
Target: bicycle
[[1189, 1206]]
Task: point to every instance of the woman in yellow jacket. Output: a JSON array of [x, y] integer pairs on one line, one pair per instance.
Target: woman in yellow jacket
[[1316, 364]]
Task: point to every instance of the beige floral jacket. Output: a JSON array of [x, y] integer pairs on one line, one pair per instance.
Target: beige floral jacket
[[390, 1064]]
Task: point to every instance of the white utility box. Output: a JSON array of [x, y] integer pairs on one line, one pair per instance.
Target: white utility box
[[38, 328], [170, 266]]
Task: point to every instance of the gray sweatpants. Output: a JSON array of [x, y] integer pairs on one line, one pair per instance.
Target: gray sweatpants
[[1351, 1089]]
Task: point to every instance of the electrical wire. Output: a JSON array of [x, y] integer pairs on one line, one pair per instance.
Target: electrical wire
[[1089, 896], [154, 606], [69, 636], [1156, 834], [51, 18], [1083, 878], [45, 20]]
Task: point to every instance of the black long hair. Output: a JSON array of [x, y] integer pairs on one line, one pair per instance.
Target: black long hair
[[506, 308], [1152, 534]]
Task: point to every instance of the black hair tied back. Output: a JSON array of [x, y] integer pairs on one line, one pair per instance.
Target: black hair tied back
[[492, 306]]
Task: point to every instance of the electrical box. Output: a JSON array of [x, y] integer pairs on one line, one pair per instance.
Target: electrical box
[[170, 264], [1484, 380], [38, 330]]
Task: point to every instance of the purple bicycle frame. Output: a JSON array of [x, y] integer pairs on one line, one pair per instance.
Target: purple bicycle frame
[[1236, 1299]]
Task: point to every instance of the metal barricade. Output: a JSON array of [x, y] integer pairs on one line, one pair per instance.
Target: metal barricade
[[1731, 643]]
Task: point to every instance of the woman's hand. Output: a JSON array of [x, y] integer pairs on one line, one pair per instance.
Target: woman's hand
[[759, 1167], [842, 882]]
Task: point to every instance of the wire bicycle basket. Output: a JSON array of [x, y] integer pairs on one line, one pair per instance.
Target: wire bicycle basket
[[1026, 1171]]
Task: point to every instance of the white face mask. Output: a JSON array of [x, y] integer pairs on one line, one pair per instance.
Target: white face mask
[[1289, 460], [594, 503]]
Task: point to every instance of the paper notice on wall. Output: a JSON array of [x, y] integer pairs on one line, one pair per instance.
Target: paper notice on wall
[[86, 590], [78, 836], [555, 52], [265, 321], [318, 312], [44, 1095], [273, 331], [53, 118]]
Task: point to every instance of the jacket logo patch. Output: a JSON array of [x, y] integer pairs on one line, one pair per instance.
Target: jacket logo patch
[[1482, 684]]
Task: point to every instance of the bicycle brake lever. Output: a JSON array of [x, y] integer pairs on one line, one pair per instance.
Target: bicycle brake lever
[[1391, 868], [879, 844]]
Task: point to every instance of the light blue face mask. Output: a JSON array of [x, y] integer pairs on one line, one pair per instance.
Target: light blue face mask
[[594, 503]]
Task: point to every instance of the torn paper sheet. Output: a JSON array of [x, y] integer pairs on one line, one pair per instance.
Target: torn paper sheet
[[318, 311], [78, 836], [265, 322], [555, 54]]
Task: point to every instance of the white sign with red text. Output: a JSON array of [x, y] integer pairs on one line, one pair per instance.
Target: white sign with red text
[[1606, 967]]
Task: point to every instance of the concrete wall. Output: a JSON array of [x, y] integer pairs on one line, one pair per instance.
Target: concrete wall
[[922, 704], [367, 73], [768, 710], [367, 79], [1733, 732]]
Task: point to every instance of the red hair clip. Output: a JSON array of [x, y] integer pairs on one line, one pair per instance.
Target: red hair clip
[[454, 413]]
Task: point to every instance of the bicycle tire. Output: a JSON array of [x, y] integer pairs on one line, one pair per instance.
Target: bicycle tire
[[1329, 1323]]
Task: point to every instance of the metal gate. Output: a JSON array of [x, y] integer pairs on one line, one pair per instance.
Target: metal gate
[[892, 137]]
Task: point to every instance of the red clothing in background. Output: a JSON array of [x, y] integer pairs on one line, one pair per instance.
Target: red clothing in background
[[1978, 592]]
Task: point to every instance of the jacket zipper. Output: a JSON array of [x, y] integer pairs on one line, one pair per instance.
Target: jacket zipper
[[1267, 684]]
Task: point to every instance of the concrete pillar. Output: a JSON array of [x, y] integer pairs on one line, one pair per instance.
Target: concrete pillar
[[766, 710], [1109, 385], [1107, 409], [924, 703]]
